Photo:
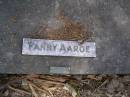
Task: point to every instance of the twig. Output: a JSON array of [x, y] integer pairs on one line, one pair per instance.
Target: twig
[[55, 78], [42, 28], [47, 81], [100, 85], [44, 91], [33, 90], [18, 90]]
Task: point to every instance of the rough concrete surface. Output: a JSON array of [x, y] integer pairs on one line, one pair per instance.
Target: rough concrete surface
[[108, 19]]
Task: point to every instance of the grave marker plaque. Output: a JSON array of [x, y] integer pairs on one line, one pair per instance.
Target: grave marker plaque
[[58, 48]]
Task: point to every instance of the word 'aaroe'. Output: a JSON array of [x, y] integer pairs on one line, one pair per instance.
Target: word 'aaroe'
[[58, 48]]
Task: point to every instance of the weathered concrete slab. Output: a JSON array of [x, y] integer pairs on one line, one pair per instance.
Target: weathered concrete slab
[[108, 19]]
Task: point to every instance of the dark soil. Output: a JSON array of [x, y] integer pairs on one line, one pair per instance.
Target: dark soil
[[61, 27]]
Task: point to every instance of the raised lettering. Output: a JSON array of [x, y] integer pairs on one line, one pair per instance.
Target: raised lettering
[[36, 47], [49, 47], [87, 48], [69, 49], [82, 49], [54, 47], [75, 48], [62, 48]]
